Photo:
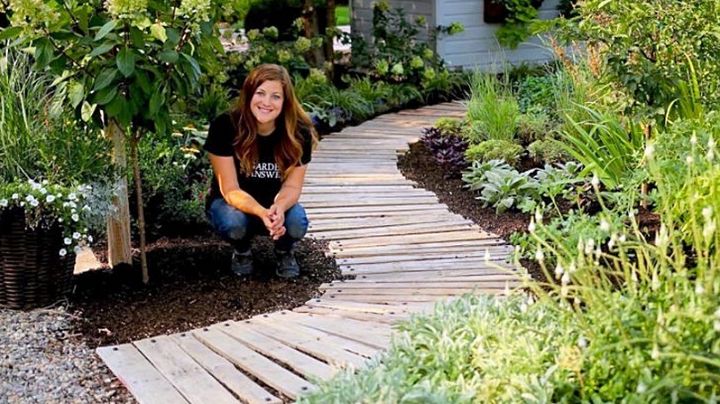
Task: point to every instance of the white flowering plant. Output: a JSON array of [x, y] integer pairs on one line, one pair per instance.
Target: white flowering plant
[[79, 211]]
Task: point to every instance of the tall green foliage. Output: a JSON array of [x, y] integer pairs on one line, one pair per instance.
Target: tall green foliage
[[492, 109], [37, 140], [646, 44]]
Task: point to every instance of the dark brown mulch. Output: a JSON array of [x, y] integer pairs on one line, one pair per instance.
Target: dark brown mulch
[[191, 286], [419, 166]]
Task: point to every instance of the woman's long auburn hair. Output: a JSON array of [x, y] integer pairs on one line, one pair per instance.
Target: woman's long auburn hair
[[292, 119]]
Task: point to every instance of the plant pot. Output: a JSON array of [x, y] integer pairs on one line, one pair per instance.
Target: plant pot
[[32, 273], [494, 12]]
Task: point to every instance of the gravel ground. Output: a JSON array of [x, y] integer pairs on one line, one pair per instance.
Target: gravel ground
[[42, 361]]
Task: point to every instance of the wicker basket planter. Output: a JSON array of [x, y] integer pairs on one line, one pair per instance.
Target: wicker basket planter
[[32, 273]]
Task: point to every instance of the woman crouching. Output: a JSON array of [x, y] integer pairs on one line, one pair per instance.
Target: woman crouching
[[259, 153]]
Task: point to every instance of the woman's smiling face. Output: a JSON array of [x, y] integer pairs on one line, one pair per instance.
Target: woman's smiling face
[[266, 105]]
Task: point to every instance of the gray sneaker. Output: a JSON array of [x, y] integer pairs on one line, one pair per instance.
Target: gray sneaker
[[287, 265], [242, 263]]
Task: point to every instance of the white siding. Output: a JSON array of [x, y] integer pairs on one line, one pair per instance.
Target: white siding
[[477, 46]]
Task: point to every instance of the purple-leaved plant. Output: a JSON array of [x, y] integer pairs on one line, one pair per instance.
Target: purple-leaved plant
[[448, 150]]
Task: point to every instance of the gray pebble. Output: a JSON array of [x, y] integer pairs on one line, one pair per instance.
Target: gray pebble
[[42, 362]]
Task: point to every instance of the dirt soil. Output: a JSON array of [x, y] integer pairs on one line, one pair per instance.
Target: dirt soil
[[419, 166], [191, 286]]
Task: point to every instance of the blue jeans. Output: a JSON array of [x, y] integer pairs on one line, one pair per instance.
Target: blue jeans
[[239, 228]]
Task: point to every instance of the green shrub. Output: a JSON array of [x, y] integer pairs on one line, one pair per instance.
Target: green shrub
[[492, 108], [547, 151], [532, 126], [494, 150], [451, 126], [646, 45], [536, 93]]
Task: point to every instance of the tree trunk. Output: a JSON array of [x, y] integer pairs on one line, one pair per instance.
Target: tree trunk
[[330, 39], [118, 224], [134, 140], [312, 30]]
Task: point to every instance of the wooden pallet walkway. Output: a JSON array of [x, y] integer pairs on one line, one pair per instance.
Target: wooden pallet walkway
[[404, 248]]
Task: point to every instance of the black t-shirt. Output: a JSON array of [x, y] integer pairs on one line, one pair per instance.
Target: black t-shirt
[[266, 179]]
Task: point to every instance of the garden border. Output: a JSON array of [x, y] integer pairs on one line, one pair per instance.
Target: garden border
[[405, 250]]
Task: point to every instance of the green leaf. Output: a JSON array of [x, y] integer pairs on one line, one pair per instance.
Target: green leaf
[[137, 38], [10, 33], [141, 79], [104, 48], [76, 93], [157, 100], [105, 95], [43, 52], [173, 36], [126, 62], [105, 29], [87, 111], [104, 79], [168, 56], [158, 32]]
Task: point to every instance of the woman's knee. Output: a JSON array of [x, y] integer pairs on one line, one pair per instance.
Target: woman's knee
[[296, 221], [229, 222]]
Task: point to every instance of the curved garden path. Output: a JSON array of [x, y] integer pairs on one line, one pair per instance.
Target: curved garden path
[[405, 250]]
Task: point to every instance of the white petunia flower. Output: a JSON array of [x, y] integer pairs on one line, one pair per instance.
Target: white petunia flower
[[50, 199], [60, 220], [75, 217], [76, 236], [67, 241], [90, 239], [43, 191], [62, 252], [15, 196], [29, 198], [34, 203], [86, 208], [3, 203], [72, 196]]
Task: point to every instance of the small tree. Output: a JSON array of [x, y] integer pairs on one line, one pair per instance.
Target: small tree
[[119, 63]]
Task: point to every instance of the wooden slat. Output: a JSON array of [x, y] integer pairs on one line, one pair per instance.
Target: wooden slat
[[224, 371], [254, 364], [317, 346], [140, 377], [361, 331], [350, 345], [189, 378], [309, 367]]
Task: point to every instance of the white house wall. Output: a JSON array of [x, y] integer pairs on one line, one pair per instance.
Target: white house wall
[[477, 46], [362, 14]]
